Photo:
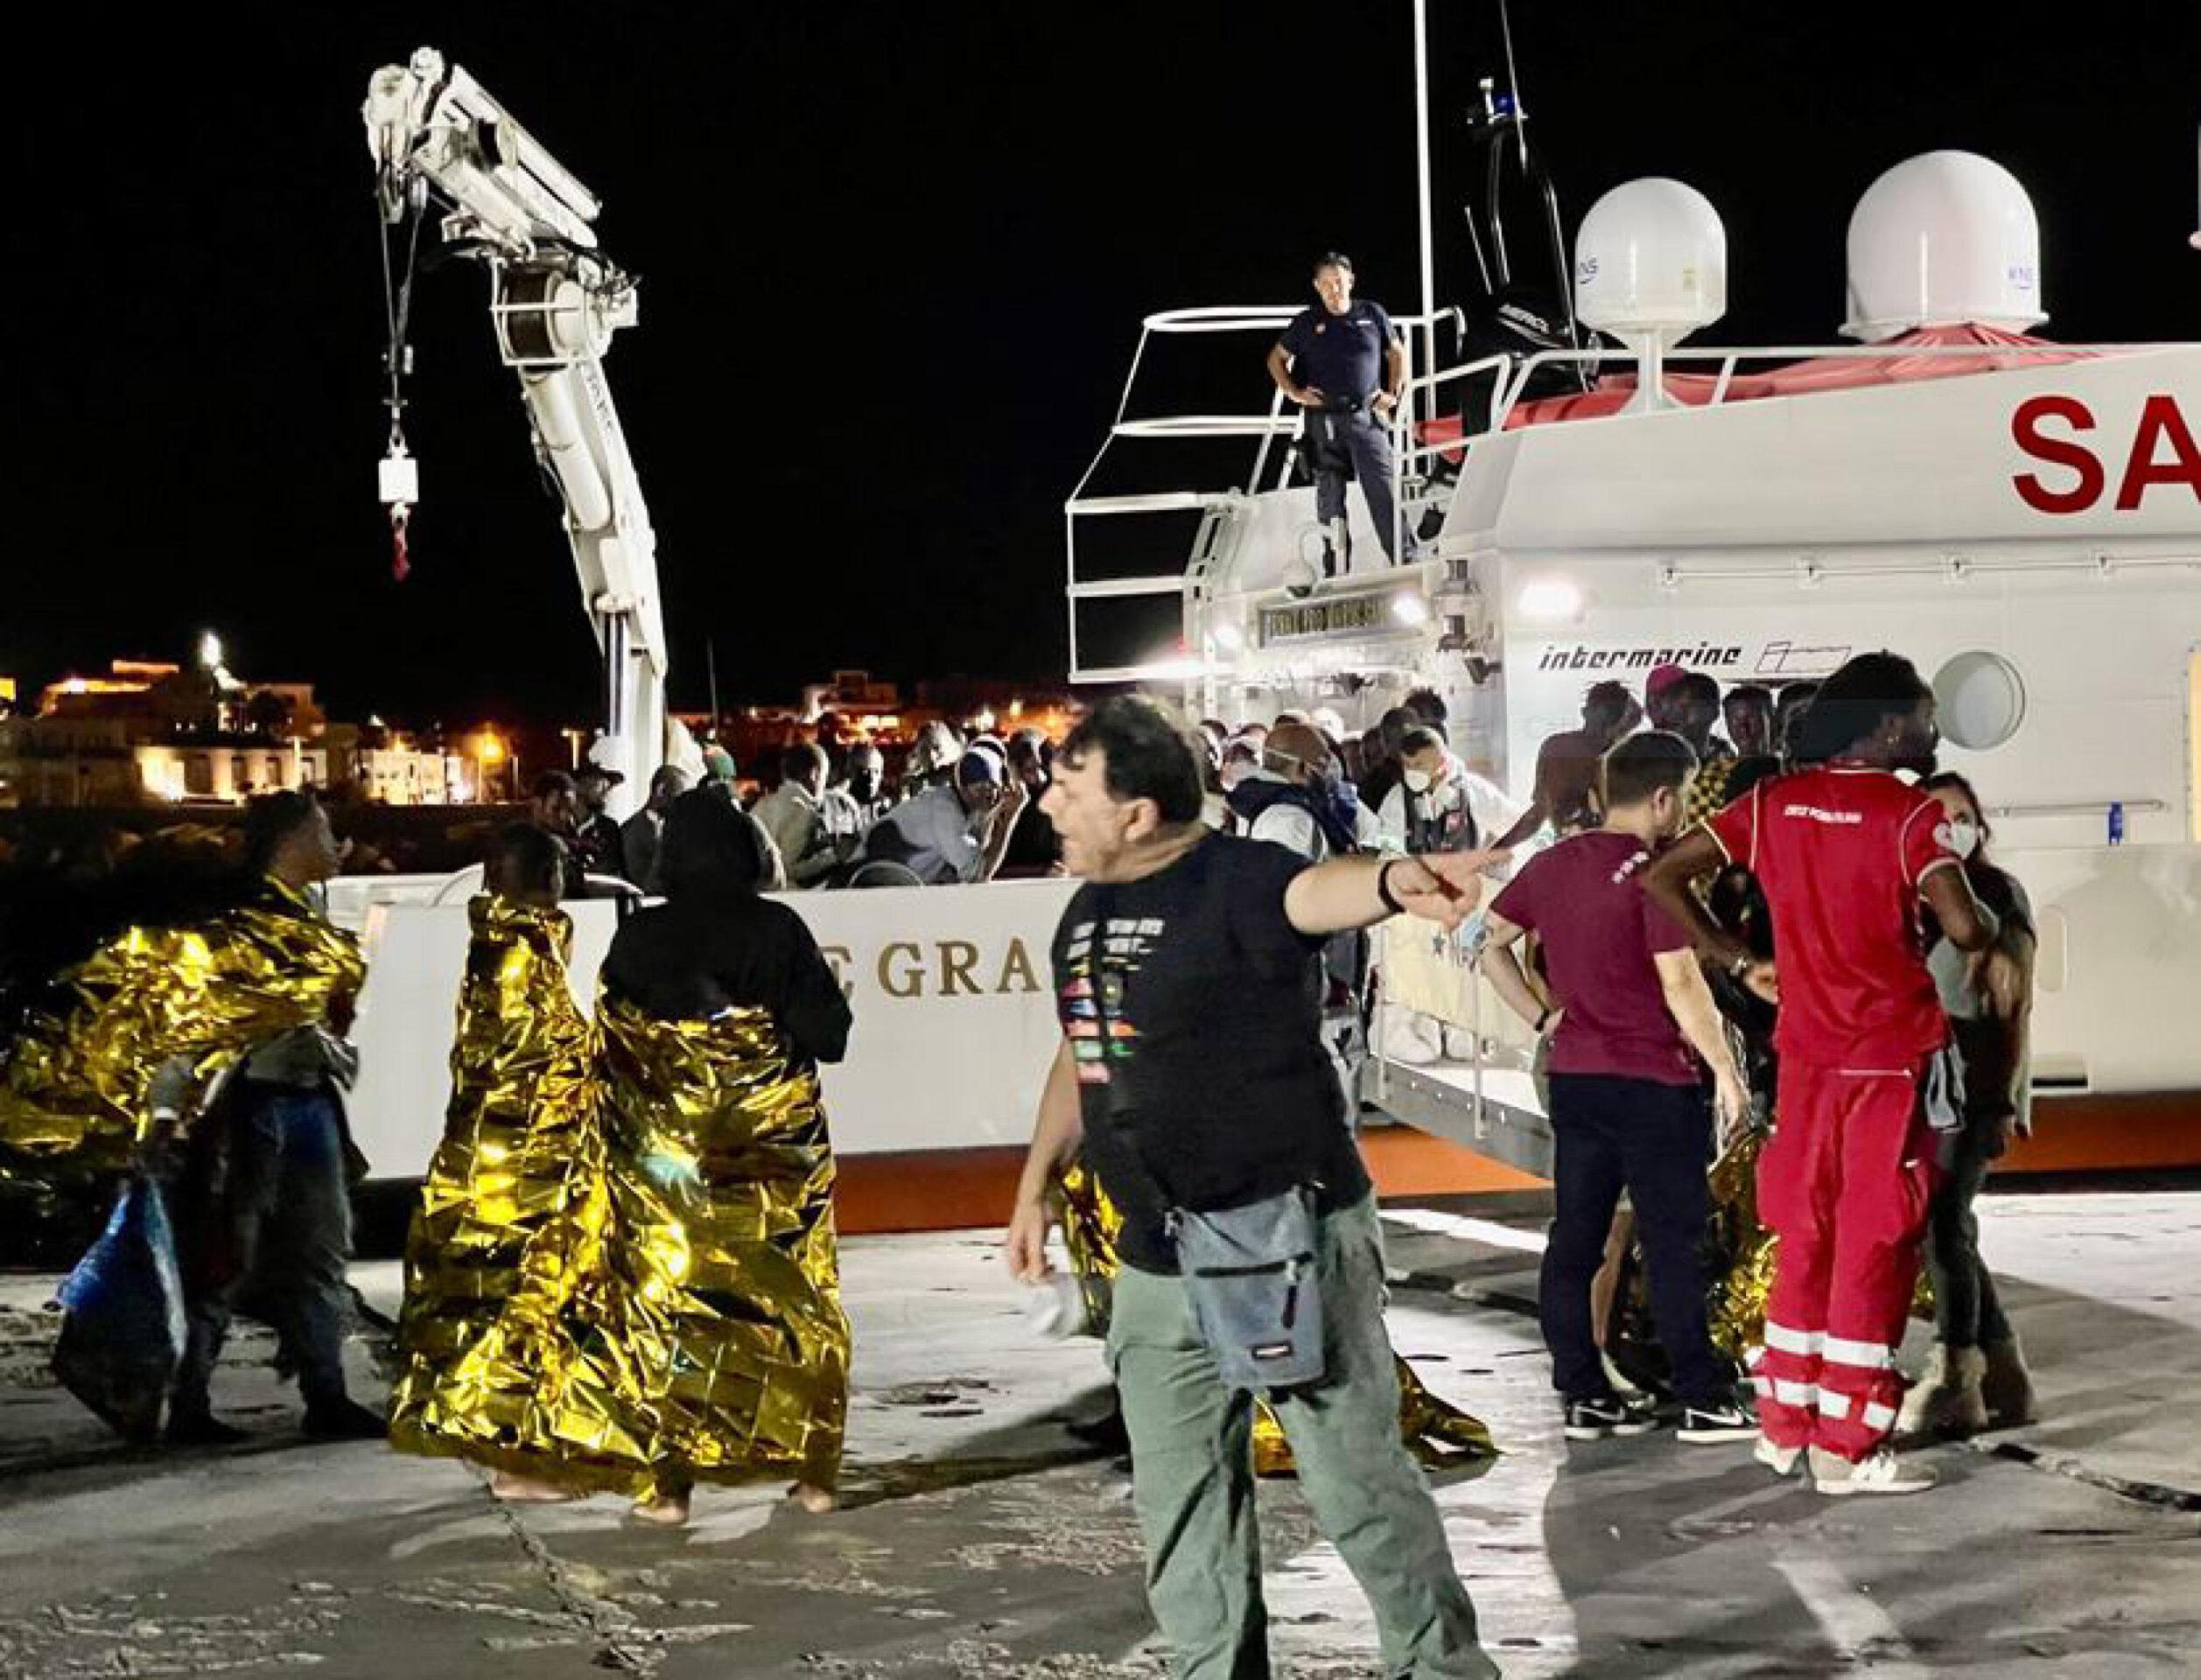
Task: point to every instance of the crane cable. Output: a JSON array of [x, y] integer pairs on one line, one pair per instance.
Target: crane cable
[[397, 305]]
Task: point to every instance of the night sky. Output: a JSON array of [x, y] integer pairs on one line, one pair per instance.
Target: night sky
[[894, 261]]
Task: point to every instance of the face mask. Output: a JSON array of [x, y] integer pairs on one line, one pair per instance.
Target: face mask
[[1960, 835], [1419, 781]]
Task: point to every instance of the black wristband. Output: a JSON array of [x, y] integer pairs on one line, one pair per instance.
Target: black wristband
[[1383, 888]]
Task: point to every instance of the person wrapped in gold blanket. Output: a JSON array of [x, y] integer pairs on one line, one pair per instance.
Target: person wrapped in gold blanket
[[717, 1008], [502, 1263]]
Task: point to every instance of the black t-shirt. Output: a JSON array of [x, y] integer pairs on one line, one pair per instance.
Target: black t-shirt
[[685, 962], [1339, 355], [1192, 1006]]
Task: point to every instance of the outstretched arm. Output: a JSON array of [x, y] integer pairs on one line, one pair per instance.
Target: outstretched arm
[[1348, 892]]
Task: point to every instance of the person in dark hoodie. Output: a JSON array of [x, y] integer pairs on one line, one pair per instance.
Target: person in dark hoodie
[[717, 1007]]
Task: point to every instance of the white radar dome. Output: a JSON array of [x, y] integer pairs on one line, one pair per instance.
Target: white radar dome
[[1943, 239], [1650, 259]]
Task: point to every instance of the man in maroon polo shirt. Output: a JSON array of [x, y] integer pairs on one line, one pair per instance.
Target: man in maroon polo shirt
[[1628, 1107]]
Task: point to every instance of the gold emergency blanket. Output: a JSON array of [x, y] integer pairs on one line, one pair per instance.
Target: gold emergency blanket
[[1747, 1252], [1736, 1307], [73, 1088], [721, 1258], [1437, 1433], [503, 1261]]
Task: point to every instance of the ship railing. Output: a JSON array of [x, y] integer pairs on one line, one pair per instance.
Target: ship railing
[[1514, 374], [1269, 469]]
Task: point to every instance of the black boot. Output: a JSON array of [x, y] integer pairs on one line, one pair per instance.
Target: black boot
[[195, 1428], [343, 1419], [1108, 1433]]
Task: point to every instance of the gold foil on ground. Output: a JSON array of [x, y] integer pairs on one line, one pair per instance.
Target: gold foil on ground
[[73, 1088], [506, 1246], [1436, 1431], [721, 1263]]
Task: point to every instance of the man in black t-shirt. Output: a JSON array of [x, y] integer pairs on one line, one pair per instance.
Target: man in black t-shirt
[[1343, 362], [1192, 1071]]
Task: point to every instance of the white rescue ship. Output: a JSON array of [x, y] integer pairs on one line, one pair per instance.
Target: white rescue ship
[[2021, 518]]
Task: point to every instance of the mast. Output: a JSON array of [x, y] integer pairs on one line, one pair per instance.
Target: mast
[[1428, 359]]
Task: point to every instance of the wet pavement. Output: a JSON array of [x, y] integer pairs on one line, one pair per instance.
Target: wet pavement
[[981, 1540]]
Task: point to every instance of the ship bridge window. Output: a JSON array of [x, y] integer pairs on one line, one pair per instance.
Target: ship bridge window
[[1979, 699]]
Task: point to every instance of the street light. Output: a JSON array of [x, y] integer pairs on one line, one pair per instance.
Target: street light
[[488, 749]]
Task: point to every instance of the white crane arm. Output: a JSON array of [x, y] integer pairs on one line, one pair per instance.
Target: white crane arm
[[556, 301]]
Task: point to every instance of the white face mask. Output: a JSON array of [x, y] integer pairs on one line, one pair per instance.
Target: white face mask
[[1960, 835], [1419, 781]]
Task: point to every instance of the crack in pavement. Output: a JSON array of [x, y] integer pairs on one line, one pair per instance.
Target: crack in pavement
[[620, 1643], [2155, 1493]]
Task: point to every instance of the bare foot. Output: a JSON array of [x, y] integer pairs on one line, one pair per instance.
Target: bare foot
[[666, 1511], [526, 1490], [814, 1500]]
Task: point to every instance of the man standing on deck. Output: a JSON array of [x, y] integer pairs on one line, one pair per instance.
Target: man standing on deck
[[1344, 364], [1847, 855]]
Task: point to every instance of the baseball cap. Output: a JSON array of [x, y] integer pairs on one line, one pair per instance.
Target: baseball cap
[[982, 763]]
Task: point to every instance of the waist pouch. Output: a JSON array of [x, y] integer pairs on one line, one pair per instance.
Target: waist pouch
[[1256, 1300]]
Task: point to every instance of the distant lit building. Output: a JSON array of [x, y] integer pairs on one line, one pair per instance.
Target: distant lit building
[[403, 774], [151, 731]]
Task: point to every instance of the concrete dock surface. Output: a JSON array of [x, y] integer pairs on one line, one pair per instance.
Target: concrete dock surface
[[981, 1540]]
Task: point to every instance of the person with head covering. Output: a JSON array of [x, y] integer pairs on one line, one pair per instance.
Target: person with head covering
[[720, 1261], [932, 758], [511, 1214], [958, 830]]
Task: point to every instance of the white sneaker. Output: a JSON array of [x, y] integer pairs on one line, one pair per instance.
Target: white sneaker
[[1883, 1473], [1781, 1460]]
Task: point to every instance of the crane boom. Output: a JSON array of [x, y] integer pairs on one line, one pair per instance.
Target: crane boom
[[556, 300]]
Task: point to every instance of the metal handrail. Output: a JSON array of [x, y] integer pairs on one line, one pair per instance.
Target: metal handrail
[[1206, 425], [2079, 807]]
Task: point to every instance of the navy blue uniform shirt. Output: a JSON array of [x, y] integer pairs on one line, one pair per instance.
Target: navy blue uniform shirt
[[1341, 356]]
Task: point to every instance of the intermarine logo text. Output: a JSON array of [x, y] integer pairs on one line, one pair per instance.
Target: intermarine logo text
[[1579, 658]]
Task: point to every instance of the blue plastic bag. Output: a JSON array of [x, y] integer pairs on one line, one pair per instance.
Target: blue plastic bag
[[122, 1323]]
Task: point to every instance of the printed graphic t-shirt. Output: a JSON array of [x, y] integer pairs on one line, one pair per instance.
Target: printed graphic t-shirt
[[1192, 1008], [1584, 898], [1842, 852]]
